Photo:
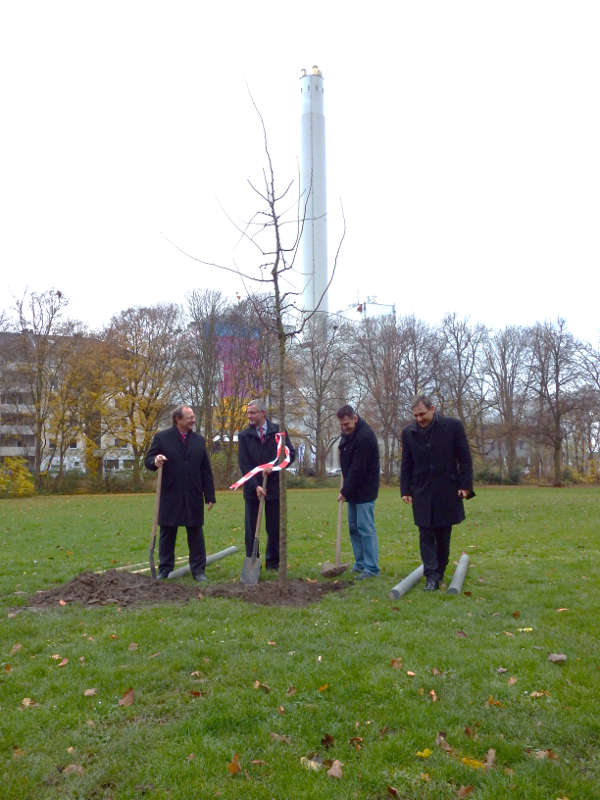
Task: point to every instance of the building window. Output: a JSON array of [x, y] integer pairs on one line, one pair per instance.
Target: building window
[[111, 463]]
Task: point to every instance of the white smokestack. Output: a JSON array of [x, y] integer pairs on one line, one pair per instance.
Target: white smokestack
[[313, 185]]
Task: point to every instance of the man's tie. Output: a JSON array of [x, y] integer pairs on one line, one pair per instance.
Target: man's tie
[[262, 436]]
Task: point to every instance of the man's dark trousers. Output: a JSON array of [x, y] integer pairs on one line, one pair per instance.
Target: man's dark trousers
[[435, 550], [271, 512], [166, 549]]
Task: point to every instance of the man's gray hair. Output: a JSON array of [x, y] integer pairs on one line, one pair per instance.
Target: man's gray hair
[[421, 398], [178, 412], [258, 403]]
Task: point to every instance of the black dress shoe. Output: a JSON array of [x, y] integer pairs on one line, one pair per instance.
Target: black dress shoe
[[432, 585], [200, 577]]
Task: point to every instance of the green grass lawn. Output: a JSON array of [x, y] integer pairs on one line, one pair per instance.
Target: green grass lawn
[[359, 678]]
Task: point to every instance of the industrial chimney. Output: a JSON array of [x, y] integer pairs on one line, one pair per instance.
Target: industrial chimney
[[313, 201]]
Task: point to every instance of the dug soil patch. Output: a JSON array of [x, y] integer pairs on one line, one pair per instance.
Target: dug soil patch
[[117, 587]]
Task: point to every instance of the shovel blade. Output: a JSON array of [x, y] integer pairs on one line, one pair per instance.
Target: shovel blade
[[329, 570], [250, 570]]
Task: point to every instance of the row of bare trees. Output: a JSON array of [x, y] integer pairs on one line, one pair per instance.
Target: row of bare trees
[[528, 396]]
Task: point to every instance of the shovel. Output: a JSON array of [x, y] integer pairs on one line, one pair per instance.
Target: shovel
[[251, 566], [329, 570], [155, 520]]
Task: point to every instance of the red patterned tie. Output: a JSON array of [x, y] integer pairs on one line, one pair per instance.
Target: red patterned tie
[[262, 436]]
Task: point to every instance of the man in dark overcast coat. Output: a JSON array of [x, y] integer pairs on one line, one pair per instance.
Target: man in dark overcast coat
[[436, 475], [257, 445], [187, 483]]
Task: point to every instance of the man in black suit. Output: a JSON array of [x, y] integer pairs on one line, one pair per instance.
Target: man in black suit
[[436, 475], [187, 483], [257, 445]]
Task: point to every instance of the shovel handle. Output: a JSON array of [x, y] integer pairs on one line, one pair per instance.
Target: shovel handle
[[338, 538], [155, 519], [261, 504]]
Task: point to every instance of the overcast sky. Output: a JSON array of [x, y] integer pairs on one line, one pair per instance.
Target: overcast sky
[[462, 140]]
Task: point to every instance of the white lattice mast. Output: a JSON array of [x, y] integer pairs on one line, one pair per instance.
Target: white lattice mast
[[313, 186]]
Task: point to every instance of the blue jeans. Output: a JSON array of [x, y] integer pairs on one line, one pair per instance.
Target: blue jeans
[[363, 536]]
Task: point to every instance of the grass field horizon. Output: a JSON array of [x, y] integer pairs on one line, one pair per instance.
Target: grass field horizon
[[428, 696]]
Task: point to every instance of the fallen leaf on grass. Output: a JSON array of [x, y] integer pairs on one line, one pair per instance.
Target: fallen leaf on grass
[[393, 792], [128, 698], [424, 753], [541, 754], [470, 732], [464, 791], [70, 749], [234, 765], [132, 646], [263, 686], [279, 737], [61, 602], [272, 643], [425, 777], [323, 688], [7, 668], [55, 656], [490, 758], [356, 741], [561, 609], [508, 633], [311, 763], [557, 658], [291, 691], [512, 680], [335, 771], [433, 695], [64, 662], [27, 702], [436, 671], [258, 762], [501, 670], [461, 634], [15, 648], [196, 693], [90, 692], [491, 701], [190, 757], [472, 762], [327, 741], [516, 614], [280, 710], [410, 673], [17, 752], [525, 630], [543, 693], [73, 769], [440, 741], [396, 663]]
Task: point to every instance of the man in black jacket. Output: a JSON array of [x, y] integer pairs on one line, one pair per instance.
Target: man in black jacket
[[436, 474], [359, 460], [187, 483], [256, 446]]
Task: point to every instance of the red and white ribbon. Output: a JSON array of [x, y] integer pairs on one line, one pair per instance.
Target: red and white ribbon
[[280, 439]]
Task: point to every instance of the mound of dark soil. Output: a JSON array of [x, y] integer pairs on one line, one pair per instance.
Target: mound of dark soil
[[129, 589]]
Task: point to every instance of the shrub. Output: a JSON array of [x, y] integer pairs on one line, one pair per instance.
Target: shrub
[[15, 478]]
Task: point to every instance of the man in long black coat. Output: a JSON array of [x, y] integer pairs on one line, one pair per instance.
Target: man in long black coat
[[257, 445], [436, 475], [187, 483]]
